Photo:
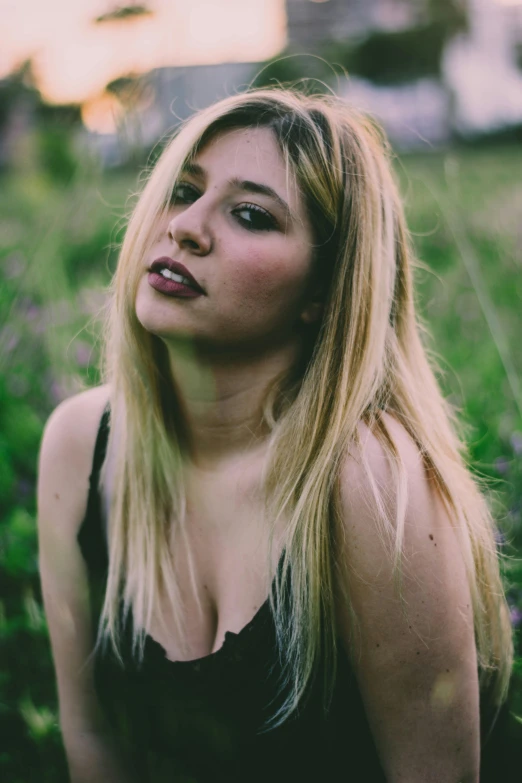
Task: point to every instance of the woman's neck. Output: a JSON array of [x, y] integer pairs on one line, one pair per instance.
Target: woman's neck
[[222, 400]]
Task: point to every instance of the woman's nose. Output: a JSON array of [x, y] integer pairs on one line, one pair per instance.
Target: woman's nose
[[189, 231]]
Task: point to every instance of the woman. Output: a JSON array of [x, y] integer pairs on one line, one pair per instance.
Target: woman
[[269, 425]]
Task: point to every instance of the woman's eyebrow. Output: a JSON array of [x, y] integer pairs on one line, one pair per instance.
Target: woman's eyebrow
[[244, 185]]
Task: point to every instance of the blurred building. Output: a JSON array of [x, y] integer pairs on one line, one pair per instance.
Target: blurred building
[[479, 88], [483, 68], [311, 22], [181, 91], [161, 99], [416, 114]]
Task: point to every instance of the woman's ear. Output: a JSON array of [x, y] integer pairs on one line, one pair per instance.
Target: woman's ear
[[312, 312], [315, 299]]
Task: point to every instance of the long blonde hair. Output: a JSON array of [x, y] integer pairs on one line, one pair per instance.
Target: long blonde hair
[[365, 357]]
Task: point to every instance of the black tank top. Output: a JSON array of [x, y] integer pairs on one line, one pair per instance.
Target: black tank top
[[202, 720]]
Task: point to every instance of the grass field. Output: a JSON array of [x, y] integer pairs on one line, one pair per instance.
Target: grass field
[[59, 245]]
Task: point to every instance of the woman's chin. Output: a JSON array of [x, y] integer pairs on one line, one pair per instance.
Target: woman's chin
[[168, 332], [159, 319]]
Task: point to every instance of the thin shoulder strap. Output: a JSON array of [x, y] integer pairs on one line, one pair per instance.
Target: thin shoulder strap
[[100, 448], [92, 536]]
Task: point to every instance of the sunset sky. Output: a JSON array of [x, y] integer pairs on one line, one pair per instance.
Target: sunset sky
[[74, 57]]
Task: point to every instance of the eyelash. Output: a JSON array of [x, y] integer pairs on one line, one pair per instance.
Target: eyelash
[[268, 223]]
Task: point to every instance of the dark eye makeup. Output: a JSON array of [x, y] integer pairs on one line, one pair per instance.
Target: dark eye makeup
[[250, 216], [183, 193]]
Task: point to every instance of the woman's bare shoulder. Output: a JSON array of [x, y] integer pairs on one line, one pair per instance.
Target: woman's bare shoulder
[[369, 449], [66, 453], [75, 420], [85, 401], [407, 648], [369, 468]]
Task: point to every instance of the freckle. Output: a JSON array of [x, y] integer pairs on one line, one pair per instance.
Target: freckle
[[447, 670], [57, 496], [418, 653], [377, 645], [431, 537], [435, 544]]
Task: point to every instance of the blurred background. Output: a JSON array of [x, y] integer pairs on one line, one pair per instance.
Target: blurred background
[[89, 91]]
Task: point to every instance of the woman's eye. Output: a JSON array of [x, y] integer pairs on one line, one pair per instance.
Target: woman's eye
[[251, 216], [254, 218], [183, 193]]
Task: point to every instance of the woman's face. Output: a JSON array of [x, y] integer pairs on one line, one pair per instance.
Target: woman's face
[[243, 233]]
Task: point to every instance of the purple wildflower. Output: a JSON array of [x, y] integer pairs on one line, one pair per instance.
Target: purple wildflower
[[83, 353], [516, 442], [516, 616], [502, 465], [500, 538]]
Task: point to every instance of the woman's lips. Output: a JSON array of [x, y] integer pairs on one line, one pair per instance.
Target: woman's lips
[[171, 287], [165, 262]]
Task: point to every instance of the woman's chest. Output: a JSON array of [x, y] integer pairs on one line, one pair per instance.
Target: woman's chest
[[221, 563]]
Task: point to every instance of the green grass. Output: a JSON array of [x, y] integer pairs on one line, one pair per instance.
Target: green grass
[[463, 209], [58, 246]]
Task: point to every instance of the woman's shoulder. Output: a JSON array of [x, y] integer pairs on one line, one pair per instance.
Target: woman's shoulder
[[411, 642], [66, 454], [76, 415], [369, 450], [72, 427], [391, 503]]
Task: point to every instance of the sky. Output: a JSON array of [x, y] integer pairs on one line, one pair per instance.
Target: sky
[[74, 58]]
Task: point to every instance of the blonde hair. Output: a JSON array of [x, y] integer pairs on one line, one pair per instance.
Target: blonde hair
[[365, 357]]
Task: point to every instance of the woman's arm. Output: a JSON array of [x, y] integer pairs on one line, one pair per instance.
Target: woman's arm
[[417, 673], [63, 477]]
